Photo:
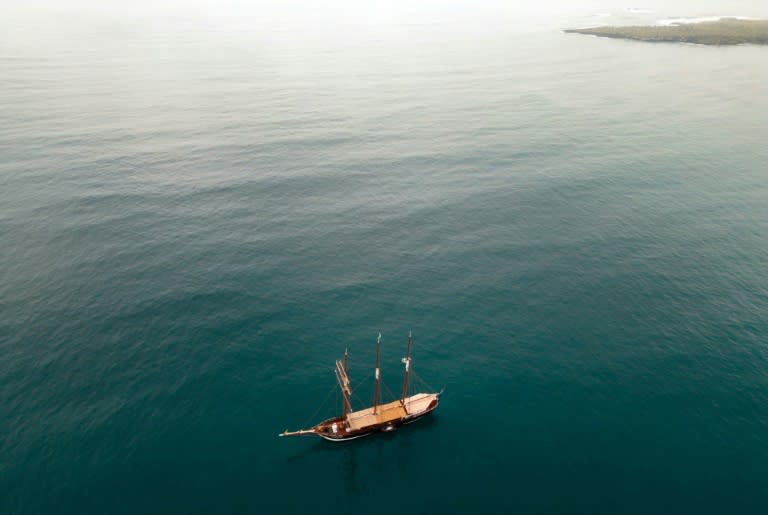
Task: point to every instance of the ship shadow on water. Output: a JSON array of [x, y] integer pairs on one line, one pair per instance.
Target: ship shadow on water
[[319, 446], [379, 452]]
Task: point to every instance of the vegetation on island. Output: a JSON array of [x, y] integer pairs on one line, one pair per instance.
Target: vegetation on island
[[726, 31]]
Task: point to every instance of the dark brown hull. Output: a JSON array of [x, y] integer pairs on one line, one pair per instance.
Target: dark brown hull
[[324, 428]]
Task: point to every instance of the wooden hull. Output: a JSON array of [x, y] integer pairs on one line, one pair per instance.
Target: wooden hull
[[387, 417], [378, 428]]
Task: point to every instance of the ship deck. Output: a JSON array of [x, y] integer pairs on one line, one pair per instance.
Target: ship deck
[[389, 412]]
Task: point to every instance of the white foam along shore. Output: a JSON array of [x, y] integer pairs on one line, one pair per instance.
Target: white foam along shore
[[667, 22]]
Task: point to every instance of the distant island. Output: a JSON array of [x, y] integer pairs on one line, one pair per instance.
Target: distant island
[[725, 31]]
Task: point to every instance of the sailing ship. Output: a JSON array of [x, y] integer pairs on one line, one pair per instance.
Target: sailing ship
[[378, 417]]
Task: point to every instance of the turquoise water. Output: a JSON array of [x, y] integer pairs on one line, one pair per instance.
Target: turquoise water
[[200, 212]]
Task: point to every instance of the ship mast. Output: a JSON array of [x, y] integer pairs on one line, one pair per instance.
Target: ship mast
[[407, 373], [342, 376], [377, 376]]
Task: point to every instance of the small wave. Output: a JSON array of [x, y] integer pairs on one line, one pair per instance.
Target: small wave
[[640, 10], [602, 15], [701, 19]]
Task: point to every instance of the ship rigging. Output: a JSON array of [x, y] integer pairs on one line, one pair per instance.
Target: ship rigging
[[378, 417]]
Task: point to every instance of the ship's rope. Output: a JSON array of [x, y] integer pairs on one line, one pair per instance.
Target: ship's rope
[[322, 405], [391, 395], [422, 381], [354, 389]]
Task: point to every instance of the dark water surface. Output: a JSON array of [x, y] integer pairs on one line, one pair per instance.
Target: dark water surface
[[197, 217]]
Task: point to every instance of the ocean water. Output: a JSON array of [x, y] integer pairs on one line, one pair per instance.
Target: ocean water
[[201, 208]]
